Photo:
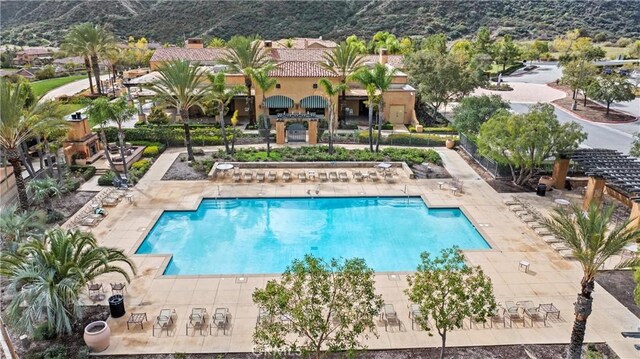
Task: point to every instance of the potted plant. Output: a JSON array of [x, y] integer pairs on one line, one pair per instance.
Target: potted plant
[[81, 158], [97, 336], [450, 143]]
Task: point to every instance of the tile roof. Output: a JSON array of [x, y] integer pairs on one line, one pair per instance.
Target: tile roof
[[35, 51], [314, 55], [179, 53], [300, 69], [299, 43], [396, 61]]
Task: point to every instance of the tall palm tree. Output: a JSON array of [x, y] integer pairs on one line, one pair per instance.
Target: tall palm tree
[[365, 77], [51, 272], [52, 134], [19, 123], [244, 54], [75, 43], [180, 86], [332, 90], [91, 41], [592, 242], [266, 84], [344, 60], [383, 78], [99, 113], [221, 95]]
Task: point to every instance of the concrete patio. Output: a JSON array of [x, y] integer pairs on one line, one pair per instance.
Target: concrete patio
[[550, 279]]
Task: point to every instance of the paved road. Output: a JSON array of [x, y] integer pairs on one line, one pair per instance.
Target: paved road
[[599, 135], [69, 89], [545, 73]]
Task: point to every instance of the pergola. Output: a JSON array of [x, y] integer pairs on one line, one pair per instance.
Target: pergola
[[608, 170]]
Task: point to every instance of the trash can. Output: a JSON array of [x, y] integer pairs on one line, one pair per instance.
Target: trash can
[[116, 306], [541, 190]]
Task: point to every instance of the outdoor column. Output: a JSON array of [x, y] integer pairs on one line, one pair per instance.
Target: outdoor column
[[560, 169], [129, 98], [313, 131], [280, 132], [593, 194], [634, 217], [141, 116]]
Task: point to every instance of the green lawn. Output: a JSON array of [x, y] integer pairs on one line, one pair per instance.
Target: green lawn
[[42, 87]]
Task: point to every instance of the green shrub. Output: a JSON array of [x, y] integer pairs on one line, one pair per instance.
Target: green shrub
[[44, 331], [405, 139], [158, 116], [86, 172], [171, 135], [106, 179], [56, 351], [198, 152], [151, 151], [141, 165], [161, 146], [203, 165], [71, 184]]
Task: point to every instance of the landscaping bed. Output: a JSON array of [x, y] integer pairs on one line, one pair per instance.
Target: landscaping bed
[[69, 203], [620, 284], [593, 111], [182, 170]]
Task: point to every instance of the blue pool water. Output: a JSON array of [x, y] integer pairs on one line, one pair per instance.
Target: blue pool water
[[263, 235]]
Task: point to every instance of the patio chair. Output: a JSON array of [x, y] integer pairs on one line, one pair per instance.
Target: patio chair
[[95, 291], [110, 201], [197, 319], [118, 288], [248, 176], [390, 316], [415, 314], [498, 315], [373, 175], [511, 312], [220, 319], [388, 176], [286, 176], [260, 176], [343, 176], [272, 176], [302, 176], [322, 176], [237, 176], [357, 175], [532, 311], [164, 321], [333, 176]]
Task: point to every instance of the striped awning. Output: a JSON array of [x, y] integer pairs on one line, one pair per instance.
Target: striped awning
[[314, 101], [279, 101]]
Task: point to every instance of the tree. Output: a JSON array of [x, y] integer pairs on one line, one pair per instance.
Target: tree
[[216, 42], [535, 50], [358, 44], [462, 51], [265, 84], [242, 55], [43, 190], [234, 123], [634, 50], [524, 141], [579, 74], [382, 79], [483, 44], [506, 51], [344, 60], [180, 86], [611, 88], [447, 290], [440, 79], [19, 123], [49, 273], [331, 90], [220, 95], [329, 305], [635, 145], [385, 40], [593, 242], [438, 43], [366, 78], [473, 111], [16, 226], [75, 43]]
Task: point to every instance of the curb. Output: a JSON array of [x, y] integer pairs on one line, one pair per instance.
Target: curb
[[589, 120]]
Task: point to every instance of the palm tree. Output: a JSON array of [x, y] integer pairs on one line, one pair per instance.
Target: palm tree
[[92, 42], [99, 113], [383, 78], [50, 273], [118, 112], [365, 77], [592, 242], [75, 43], [332, 90], [179, 86], [43, 190], [16, 226], [244, 54], [344, 60], [46, 135], [266, 84], [19, 123], [219, 94]]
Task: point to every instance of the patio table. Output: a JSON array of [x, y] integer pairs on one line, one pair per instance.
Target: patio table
[[384, 165], [225, 166], [549, 308], [137, 318], [562, 202]]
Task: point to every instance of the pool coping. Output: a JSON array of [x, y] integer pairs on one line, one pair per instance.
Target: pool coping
[[166, 257]]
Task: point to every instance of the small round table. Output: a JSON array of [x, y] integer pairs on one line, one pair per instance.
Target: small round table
[[384, 165], [224, 166], [562, 202], [440, 184]]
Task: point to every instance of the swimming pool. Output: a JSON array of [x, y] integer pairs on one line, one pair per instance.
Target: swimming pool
[[263, 235]]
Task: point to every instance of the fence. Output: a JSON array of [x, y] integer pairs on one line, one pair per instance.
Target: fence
[[495, 169]]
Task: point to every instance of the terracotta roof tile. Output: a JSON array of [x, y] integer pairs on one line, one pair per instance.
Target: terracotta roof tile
[[300, 69], [176, 53]]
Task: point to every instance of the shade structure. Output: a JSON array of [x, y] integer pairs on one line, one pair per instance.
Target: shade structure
[[279, 101], [314, 101]]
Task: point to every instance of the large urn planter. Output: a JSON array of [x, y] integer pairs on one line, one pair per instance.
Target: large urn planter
[[450, 143], [548, 181], [97, 336]]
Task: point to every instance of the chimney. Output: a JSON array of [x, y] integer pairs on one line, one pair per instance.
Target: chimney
[[194, 43], [306, 43], [320, 38], [268, 43], [383, 56]]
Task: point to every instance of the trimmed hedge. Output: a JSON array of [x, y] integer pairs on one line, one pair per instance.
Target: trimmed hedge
[[405, 139], [161, 146], [171, 136], [86, 172], [137, 170], [151, 151]]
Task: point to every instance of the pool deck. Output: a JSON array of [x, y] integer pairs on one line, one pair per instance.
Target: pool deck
[[551, 279]]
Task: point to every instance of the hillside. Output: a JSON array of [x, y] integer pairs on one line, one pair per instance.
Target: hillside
[[38, 22]]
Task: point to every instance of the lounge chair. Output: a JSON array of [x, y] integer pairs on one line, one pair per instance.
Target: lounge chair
[[164, 321], [512, 202], [302, 176], [197, 319], [511, 312], [286, 176], [272, 176], [237, 176], [373, 175], [551, 239], [390, 316], [260, 176], [543, 231], [322, 176], [357, 175], [415, 314], [89, 221], [532, 311], [248, 176], [333, 176], [498, 315], [559, 246], [343, 176], [567, 253], [110, 201], [389, 177], [536, 225], [221, 319]]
